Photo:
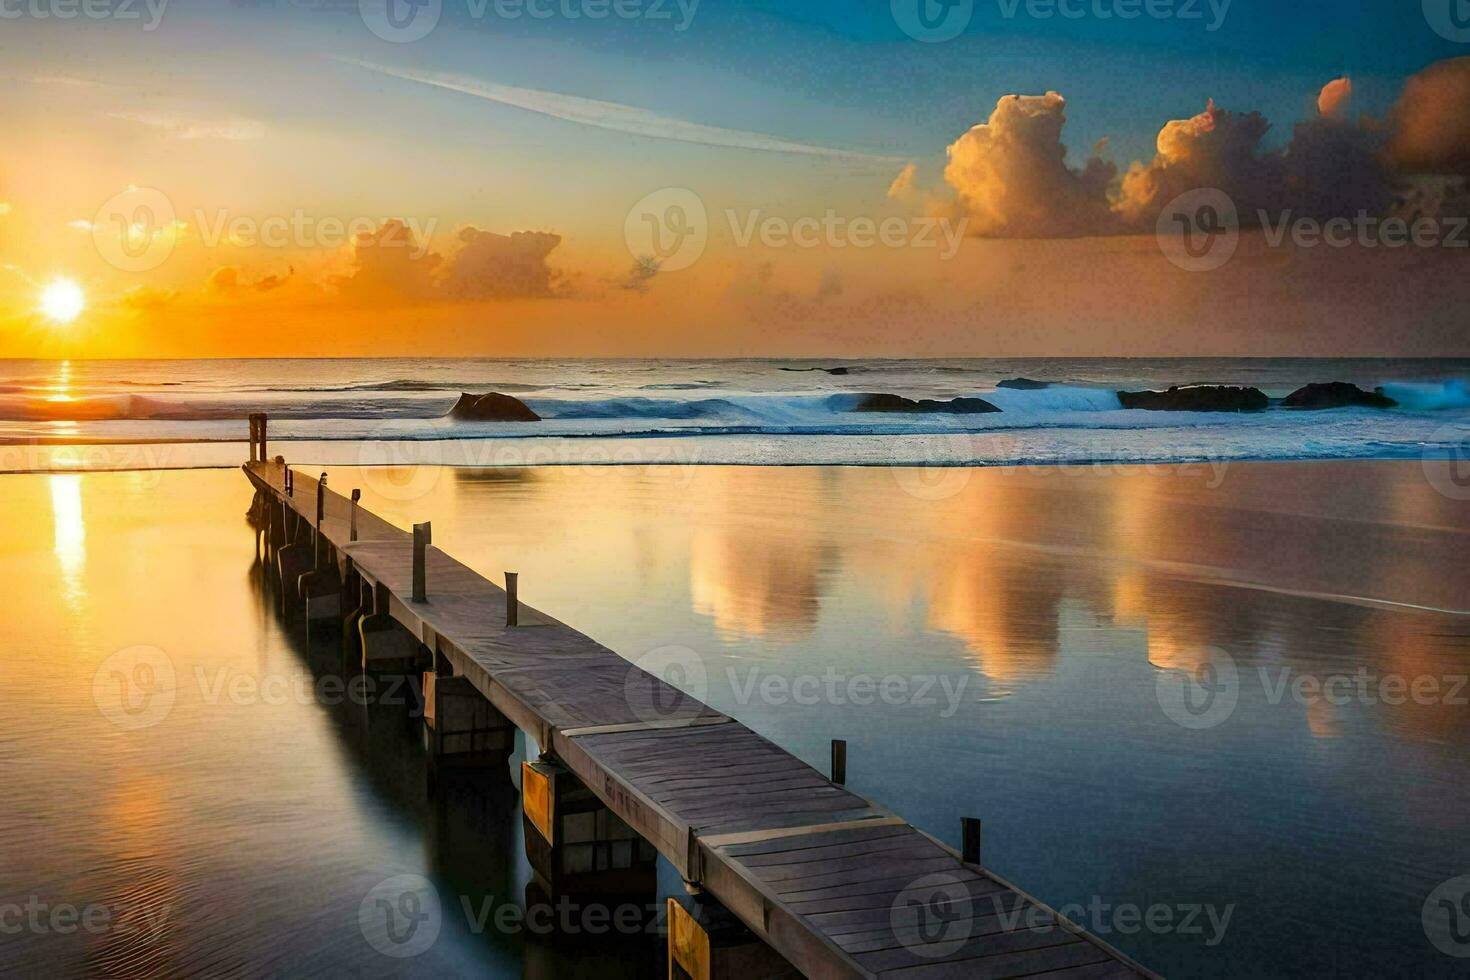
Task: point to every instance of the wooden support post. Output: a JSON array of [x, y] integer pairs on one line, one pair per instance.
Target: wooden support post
[[512, 599], [352, 521], [707, 942], [970, 831], [290, 490], [423, 536], [839, 761], [254, 457], [260, 434], [574, 843]]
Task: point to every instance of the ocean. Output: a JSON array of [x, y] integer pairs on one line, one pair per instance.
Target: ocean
[[389, 411]]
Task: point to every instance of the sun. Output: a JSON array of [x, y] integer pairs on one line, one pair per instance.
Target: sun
[[62, 301]]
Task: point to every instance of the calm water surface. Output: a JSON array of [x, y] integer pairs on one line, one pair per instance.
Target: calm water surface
[[1039, 633]]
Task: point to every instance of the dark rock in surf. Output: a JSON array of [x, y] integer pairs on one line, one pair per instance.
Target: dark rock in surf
[[1197, 398], [897, 403], [492, 407], [831, 370], [1337, 394], [1024, 384]]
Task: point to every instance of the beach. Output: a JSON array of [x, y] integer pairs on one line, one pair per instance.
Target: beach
[[1004, 642]]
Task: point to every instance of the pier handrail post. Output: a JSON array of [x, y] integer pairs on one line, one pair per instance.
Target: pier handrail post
[[839, 761], [512, 599], [290, 489], [352, 520], [260, 435], [320, 550], [254, 425], [970, 837], [422, 537]]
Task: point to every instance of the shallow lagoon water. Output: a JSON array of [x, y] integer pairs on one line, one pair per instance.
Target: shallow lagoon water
[[1013, 644]]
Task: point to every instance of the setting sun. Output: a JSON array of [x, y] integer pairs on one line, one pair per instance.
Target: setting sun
[[62, 301]]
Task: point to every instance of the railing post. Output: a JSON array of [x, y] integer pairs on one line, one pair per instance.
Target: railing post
[[970, 833], [260, 434], [839, 761], [512, 599], [352, 520], [252, 421], [320, 551], [422, 538], [290, 489]]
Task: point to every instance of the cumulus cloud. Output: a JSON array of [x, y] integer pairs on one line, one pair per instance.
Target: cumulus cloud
[[491, 266], [1431, 121], [1010, 175], [1335, 97], [389, 264]]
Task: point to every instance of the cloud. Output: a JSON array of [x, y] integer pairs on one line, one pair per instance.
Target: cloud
[[234, 128], [640, 277], [1335, 97], [226, 280], [615, 116], [148, 297], [1009, 175], [1431, 121], [491, 266], [1012, 181], [390, 265], [904, 186]]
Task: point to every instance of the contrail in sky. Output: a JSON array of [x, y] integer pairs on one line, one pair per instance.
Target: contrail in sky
[[615, 116]]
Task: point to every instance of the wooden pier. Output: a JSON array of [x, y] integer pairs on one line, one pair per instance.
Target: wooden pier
[[837, 885]]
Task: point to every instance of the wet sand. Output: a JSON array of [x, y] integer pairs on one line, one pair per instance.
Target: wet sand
[[1157, 685]]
